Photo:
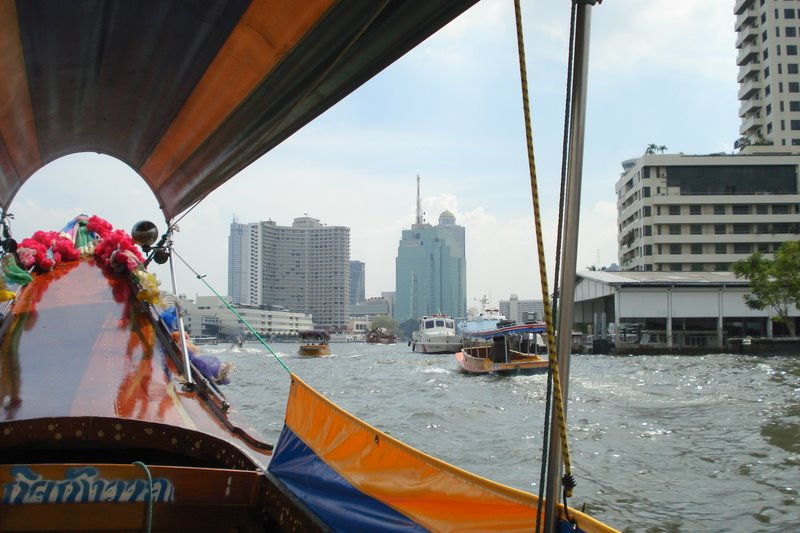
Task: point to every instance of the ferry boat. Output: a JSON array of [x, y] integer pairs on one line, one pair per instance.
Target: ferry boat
[[508, 349], [436, 334], [314, 342]]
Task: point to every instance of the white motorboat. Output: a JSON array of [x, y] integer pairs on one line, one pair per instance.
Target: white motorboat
[[436, 334]]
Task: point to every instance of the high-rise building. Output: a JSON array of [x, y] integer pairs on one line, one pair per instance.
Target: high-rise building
[[302, 268], [768, 39], [357, 282], [701, 213], [430, 269], [238, 260], [522, 310]]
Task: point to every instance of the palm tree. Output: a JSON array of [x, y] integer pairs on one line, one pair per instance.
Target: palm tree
[[651, 148], [662, 148]]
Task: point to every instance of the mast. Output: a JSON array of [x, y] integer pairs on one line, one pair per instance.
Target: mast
[[419, 221], [569, 249]]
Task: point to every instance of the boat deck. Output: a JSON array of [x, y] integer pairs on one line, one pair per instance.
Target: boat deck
[[82, 359]]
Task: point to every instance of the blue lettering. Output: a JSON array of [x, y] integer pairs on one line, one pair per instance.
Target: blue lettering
[[80, 485]]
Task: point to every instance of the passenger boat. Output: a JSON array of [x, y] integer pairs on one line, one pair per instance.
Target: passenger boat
[[509, 349], [314, 342], [436, 334], [108, 423], [204, 339]]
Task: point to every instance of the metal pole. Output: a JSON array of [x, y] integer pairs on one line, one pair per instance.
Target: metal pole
[[187, 368], [570, 252]]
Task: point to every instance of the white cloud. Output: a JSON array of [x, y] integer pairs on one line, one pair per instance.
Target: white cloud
[[631, 37]]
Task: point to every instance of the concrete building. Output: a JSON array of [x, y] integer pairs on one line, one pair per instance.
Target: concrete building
[[239, 274], [304, 268], [681, 213], [431, 271], [522, 310], [208, 316], [768, 43], [357, 282], [689, 310], [389, 296], [371, 307]]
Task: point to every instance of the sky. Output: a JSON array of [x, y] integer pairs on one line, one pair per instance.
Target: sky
[[660, 72]]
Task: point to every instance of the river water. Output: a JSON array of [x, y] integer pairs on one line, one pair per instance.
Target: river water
[[658, 443]]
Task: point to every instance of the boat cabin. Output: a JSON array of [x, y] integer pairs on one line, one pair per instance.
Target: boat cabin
[[314, 336]]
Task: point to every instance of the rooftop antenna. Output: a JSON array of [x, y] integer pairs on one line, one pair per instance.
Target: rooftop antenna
[[420, 221]]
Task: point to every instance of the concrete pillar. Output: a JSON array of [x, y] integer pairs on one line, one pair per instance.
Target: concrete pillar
[[669, 317], [720, 340]]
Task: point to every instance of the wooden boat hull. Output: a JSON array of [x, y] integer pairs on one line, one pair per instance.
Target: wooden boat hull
[[314, 350], [478, 360], [91, 383]]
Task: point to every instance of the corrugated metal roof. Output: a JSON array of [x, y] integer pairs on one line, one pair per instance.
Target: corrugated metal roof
[[662, 278]]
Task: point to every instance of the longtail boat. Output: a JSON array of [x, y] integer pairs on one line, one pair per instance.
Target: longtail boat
[[109, 421]]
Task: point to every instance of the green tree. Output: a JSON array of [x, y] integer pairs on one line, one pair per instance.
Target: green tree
[[662, 148], [384, 321], [408, 327], [774, 283], [651, 148], [741, 142]]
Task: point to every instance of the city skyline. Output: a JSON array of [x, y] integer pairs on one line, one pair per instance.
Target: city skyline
[[451, 111]]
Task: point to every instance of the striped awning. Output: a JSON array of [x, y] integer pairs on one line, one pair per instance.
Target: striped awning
[[187, 93]]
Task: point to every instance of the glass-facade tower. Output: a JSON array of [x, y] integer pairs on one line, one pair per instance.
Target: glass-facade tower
[[431, 271]]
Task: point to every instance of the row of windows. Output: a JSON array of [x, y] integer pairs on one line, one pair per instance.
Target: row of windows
[[726, 229], [719, 209], [794, 105], [720, 248], [692, 267]]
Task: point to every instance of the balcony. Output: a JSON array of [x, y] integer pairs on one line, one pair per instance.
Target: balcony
[[741, 5], [749, 88], [746, 34], [746, 17], [747, 53], [751, 125], [749, 69], [750, 107]]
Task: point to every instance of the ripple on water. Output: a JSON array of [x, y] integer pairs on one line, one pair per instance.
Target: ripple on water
[[659, 443]]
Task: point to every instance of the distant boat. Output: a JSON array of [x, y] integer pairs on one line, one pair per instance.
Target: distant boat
[[436, 334], [381, 336], [203, 339], [510, 348], [346, 336], [314, 342], [485, 321]]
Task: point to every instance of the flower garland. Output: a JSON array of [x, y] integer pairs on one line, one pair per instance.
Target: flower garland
[[114, 249]]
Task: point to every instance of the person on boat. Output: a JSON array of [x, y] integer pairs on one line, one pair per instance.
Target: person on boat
[[212, 368]]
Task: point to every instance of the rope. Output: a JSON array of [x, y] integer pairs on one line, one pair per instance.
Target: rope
[[148, 522], [553, 358], [228, 305]]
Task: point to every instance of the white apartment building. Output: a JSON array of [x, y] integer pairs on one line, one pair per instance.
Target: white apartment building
[[303, 268], [207, 315], [522, 310], [684, 213], [768, 43]]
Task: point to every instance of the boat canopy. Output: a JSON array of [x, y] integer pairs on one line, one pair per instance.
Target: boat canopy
[[314, 334], [186, 93]]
